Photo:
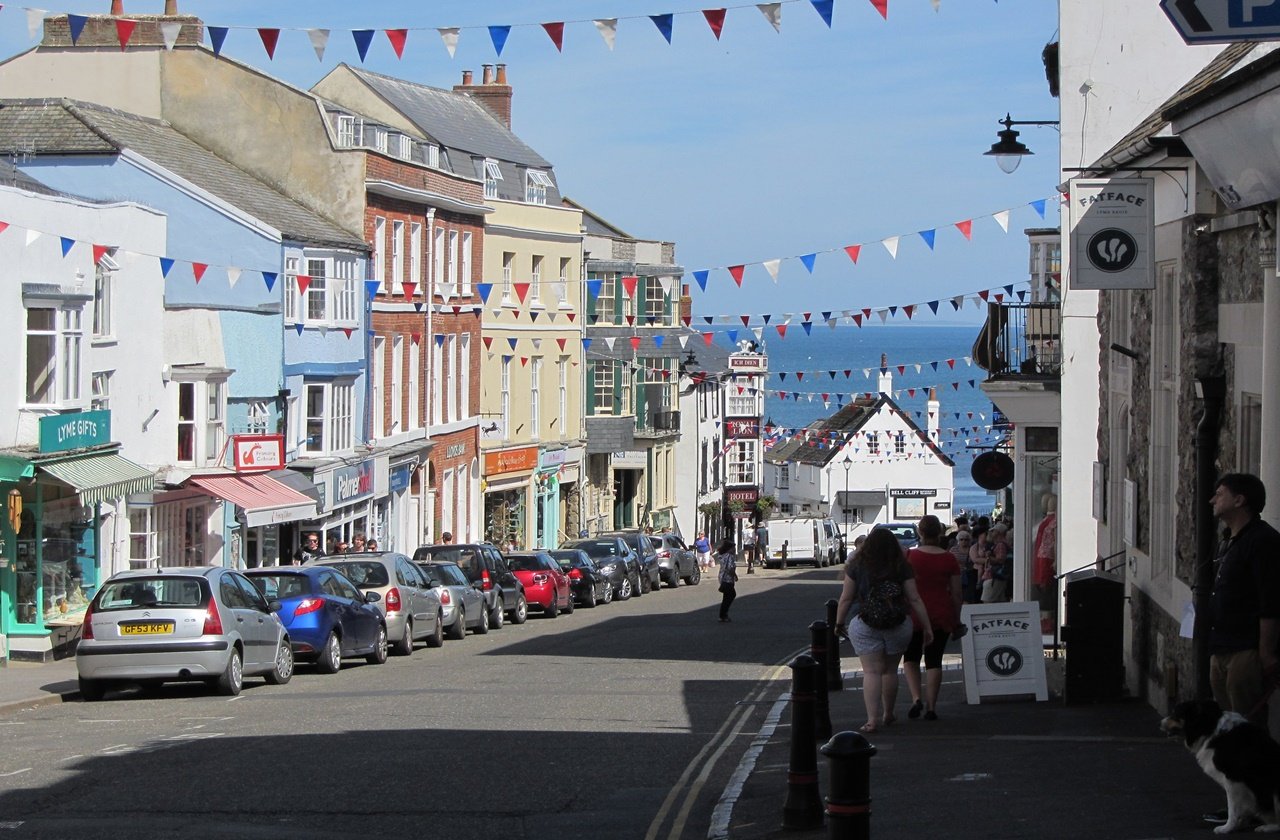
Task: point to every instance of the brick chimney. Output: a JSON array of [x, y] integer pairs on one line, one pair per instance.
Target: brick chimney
[[886, 375], [493, 92], [686, 303], [100, 30]]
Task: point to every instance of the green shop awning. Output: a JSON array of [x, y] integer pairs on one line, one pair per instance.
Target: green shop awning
[[99, 478]]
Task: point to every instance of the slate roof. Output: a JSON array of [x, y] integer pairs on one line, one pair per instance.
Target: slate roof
[[68, 127], [593, 224], [836, 429]]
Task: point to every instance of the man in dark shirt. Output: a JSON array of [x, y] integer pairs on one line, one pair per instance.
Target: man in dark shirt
[[1245, 604], [310, 549]]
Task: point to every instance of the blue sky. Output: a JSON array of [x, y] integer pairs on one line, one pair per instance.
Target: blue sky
[[759, 146]]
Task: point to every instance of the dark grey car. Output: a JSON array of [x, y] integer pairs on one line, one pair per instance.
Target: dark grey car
[[616, 561], [487, 570], [642, 545]]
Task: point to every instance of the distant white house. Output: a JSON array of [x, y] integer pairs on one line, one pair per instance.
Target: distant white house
[[867, 463]]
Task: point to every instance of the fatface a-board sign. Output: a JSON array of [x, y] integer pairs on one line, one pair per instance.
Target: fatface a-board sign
[[1003, 651]]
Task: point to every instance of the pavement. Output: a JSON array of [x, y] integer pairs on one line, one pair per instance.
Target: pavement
[[25, 685]]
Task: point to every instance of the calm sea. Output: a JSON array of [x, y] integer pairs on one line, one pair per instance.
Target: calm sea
[[966, 413]]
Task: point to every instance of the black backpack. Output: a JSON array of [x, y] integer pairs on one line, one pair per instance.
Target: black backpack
[[883, 604]]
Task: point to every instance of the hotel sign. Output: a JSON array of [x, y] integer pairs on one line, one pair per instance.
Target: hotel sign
[[746, 428], [64, 432], [749, 362], [1112, 233]]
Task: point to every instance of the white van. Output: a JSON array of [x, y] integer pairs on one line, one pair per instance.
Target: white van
[[805, 539]]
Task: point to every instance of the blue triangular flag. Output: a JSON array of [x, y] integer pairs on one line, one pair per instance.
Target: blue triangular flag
[[808, 327], [893, 310], [417, 306], [701, 277], [269, 277], [1022, 294], [935, 366], [663, 22], [586, 344], [533, 317], [826, 316], [76, 22], [733, 336], [499, 35], [1039, 206], [657, 341], [933, 304], [512, 342], [955, 304], [782, 375], [166, 265], [593, 287], [371, 288], [808, 260], [364, 37], [298, 327], [217, 34], [484, 289], [766, 318], [927, 236], [439, 339], [66, 244], [1008, 290], [823, 8], [708, 319]]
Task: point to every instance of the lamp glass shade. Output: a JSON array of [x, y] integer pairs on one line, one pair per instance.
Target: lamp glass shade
[[1008, 163]]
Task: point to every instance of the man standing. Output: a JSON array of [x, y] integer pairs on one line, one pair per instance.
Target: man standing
[[310, 549], [1245, 603]]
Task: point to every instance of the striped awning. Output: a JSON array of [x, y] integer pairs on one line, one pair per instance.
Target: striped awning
[[264, 500], [100, 478]]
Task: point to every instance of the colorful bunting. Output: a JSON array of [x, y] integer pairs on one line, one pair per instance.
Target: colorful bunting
[[608, 29], [217, 37], [498, 34], [555, 31], [397, 37], [663, 22], [269, 38], [363, 38], [715, 19]]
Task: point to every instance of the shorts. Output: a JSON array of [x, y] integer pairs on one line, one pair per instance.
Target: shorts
[[933, 653], [1235, 678], [891, 642]]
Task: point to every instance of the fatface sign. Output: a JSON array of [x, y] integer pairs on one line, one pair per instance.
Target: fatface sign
[[1112, 233], [1003, 651]]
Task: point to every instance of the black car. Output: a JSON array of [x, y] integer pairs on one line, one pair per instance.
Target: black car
[[590, 586], [676, 560], [615, 560], [642, 545], [487, 570]]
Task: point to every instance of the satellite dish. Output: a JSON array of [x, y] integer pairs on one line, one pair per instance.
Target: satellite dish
[[992, 470]]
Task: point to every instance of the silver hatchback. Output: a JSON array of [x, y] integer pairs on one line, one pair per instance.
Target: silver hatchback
[[181, 624], [412, 610]]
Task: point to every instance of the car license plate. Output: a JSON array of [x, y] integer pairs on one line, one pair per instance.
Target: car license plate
[[147, 628]]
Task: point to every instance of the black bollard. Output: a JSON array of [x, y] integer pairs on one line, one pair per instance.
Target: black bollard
[[821, 707], [803, 807], [835, 676], [849, 800]]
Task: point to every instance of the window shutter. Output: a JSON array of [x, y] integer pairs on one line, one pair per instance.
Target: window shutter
[[591, 307], [640, 390], [641, 320], [618, 372], [591, 388]]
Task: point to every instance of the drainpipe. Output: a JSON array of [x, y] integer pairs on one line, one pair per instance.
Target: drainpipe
[[1212, 393]]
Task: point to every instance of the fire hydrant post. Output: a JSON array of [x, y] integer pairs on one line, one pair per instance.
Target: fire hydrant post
[[835, 676], [821, 707], [849, 799], [803, 807]]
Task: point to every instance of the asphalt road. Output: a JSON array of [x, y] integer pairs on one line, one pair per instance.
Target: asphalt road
[[624, 721]]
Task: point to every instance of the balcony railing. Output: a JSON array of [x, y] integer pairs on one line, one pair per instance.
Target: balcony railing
[[1021, 340]]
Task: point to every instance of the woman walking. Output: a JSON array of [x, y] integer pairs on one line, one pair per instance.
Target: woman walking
[[938, 581], [728, 577], [882, 583]]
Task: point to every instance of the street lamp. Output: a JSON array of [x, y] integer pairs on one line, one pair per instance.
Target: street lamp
[[1008, 152], [848, 462]]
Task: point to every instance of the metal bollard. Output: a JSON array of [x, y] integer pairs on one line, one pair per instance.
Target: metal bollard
[[849, 801], [803, 806], [835, 676], [821, 707]]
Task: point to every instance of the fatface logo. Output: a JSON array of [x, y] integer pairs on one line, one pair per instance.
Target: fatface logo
[[1112, 250], [1004, 661]]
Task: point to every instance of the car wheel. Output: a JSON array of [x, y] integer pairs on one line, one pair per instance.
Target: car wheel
[[379, 654], [521, 613], [232, 679], [695, 578], [569, 605], [459, 628], [283, 670], [553, 608], [330, 656], [646, 585], [436, 639], [404, 647], [91, 691], [498, 615], [590, 600], [674, 580], [624, 591], [608, 593], [483, 626]]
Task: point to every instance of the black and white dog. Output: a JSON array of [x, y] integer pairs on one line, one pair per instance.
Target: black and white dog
[[1236, 754]]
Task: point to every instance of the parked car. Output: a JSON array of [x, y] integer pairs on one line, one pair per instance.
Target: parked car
[[615, 560], [327, 617], [546, 586], [590, 585], [181, 624], [412, 611], [487, 570], [676, 561], [642, 545], [904, 531], [464, 606]]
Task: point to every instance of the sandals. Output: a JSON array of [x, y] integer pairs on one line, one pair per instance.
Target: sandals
[[889, 720], [868, 728], [915, 710]]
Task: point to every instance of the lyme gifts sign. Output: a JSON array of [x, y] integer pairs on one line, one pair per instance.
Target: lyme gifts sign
[[1003, 651]]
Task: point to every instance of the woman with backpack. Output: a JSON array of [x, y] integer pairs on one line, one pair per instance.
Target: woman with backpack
[[881, 583], [728, 577]]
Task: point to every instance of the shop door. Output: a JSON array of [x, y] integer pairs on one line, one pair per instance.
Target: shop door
[[625, 483]]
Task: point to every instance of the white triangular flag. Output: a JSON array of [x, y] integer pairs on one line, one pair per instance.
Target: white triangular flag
[[559, 291], [891, 245], [319, 40], [169, 31], [1002, 218], [958, 302], [884, 315], [35, 18], [537, 343], [608, 30], [968, 360], [773, 13], [866, 373], [758, 332], [937, 4], [977, 302], [665, 283], [609, 342], [771, 266], [32, 236], [917, 368], [233, 276], [450, 37], [324, 331], [684, 340]]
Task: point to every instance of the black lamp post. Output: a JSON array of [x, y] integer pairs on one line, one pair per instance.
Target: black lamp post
[[1008, 152]]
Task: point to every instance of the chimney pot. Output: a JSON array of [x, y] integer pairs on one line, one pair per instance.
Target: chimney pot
[[486, 77], [170, 8], [117, 7], [502, 75], [466, 77], [884, 360]]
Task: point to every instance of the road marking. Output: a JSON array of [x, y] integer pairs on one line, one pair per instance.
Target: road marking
[[724, 808], [237, 697], [16, 772], [11, 825], [71, 757]]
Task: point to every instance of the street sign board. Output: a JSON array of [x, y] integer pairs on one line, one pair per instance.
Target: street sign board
[[1224, 21]]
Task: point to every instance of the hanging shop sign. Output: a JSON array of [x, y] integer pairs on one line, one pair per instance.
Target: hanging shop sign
[[745, 428], [636, 460], [351, 484], [398, 478], [64, 432], [1003, 651], [257, 452], [552, 458], [491, 429], [511, 460], [749, 362], [1112, 233]]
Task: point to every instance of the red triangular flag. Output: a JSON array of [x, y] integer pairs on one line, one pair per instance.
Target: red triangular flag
[[629, 285], [745, 319], [522, 290], [572, 317], [909, 309], [416, 338], [397, 38], [735, 271], [635, 342], [98, 251], [561, 342], [488, 341], [902, 369], [951, 363], [782, 330], [3, 226], [999, 297], [304, 283], [911, 392], [857, 319], [269, 38], [882, 6], [853, 251], [715, 19], [348, 331], [198, 270], [983, 294], [799, 376], [631, 320], [966, 227], [124, 31], [524, 361], [688, 319], [409, 289], [866, 313], [707, 337], [556, 33]]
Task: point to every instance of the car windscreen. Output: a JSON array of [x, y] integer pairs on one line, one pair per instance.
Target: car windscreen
[[524, 562], [572, 558], [447, 574], [366, 574], [597, 548], [160, 591], [277, 587]]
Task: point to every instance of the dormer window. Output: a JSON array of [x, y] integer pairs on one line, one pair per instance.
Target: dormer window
[[378, 139], [349, 131], [402, 147], [431, 154], [535, 188], [492, 175]]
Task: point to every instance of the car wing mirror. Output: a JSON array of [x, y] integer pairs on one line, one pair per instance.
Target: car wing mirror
[[273, 606], [372, 597]]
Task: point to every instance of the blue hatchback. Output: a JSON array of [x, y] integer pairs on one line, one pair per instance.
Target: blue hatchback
[[326, 616]]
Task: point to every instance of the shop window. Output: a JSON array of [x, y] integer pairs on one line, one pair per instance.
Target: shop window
[[68, 560], [327, 407], [53, 348]]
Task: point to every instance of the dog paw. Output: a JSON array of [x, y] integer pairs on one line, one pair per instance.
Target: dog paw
[[1226, 828], [1268, 828]]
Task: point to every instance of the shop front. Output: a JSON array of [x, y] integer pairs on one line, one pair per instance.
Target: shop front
[[508, 480], [51, 556], [628, 486]]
